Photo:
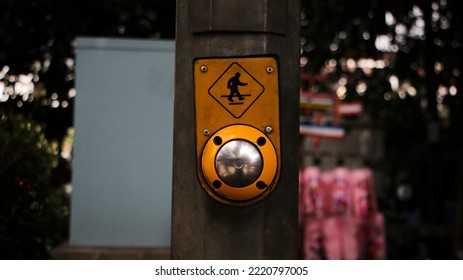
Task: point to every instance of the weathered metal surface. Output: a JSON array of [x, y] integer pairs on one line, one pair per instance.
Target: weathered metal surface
[[201, 227], [239, 16]]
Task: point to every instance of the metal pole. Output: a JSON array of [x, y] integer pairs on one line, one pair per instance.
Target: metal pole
[[204, 228]]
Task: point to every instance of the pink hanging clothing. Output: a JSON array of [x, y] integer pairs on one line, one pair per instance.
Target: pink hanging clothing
[[375, 237], [362, 193], [311, 195], [343, 238], [338, 215], [313, 245], [336, 185], [311, 213]]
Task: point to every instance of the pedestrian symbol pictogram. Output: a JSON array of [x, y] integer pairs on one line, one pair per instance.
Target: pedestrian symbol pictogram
[[236, 90], [233, 84]]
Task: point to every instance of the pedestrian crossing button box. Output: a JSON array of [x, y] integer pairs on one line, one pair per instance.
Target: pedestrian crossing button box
[[237, 127]]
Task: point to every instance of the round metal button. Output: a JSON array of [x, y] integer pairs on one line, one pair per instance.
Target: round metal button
[[239, 163]]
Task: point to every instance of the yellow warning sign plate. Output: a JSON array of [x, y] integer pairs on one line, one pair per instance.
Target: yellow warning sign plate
[[236, 90], [231, 91]]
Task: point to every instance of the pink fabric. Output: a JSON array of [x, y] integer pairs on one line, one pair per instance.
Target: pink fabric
[[375, 237], [338, 215], [310, 211], [311, 191], [313, 239], [336, 185], [362, 193], [343, 238], [326, 181], [300, 200], [333, 238]]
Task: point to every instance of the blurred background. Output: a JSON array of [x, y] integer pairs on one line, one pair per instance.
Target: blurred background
[[398, 61]]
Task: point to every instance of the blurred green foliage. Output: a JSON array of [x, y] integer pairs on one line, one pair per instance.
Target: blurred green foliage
[[33, 211]]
